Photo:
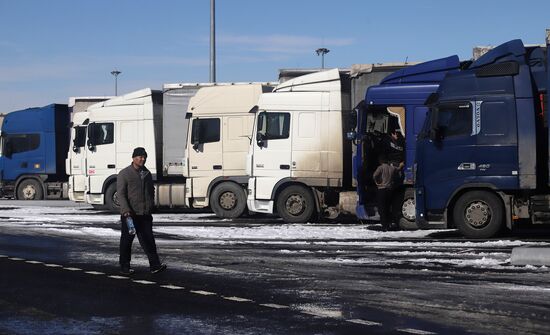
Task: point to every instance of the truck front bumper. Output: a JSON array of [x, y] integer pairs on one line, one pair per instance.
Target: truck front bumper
[[95, 199]]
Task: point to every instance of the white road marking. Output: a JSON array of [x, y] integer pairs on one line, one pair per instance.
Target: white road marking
[[118, 277], [72, 269], [415, 331], [94, 272], [33, 262], [238, 299], [15, 259], [276, 306], [53, 265], [203, 292], [364, 322], [173, 287], [4, 256], [145, 282]]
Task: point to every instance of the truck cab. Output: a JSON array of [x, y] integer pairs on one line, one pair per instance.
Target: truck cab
[[76, 158], [395, 106], [482, 157], [34, 146], [115, 128], [296, 156], [221, 120]]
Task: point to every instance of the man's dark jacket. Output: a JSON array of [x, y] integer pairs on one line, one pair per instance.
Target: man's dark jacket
[[135, 194]]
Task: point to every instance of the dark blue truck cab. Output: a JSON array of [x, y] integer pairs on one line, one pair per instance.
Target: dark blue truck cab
[[482, 157], [34, 144], [396, 104]]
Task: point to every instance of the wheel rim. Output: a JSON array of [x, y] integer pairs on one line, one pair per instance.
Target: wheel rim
[[228, 200], [478, 214], [295, 204], [409, 209], [29, 192]]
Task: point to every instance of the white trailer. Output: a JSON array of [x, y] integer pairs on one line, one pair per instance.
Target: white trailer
[[297, 155]]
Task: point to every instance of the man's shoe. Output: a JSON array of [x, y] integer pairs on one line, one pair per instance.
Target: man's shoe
[[127, 271], [159, 268]]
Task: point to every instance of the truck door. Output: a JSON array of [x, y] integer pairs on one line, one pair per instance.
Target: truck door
[[100, 155], [497, 143], [22, 154], [272, 151], [77, 155], [205, 154], [452, 149]]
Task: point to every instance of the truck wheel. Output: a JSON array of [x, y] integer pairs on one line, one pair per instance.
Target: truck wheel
[[404, 209], [29, 189], [228, 200], [111, 199], [295, 204], [478, 214]]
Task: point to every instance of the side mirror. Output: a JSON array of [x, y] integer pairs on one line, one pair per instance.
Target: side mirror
[[260, 139], [8, 150], [435, 134], [196, 146], [75, 149], [91, 145]]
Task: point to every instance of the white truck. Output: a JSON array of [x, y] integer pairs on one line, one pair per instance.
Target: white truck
[[140, 118], [75, 165], [215, 163], [297, 155]]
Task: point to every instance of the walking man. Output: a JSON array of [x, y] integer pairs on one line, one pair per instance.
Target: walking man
[[136, 195], [384, 177]]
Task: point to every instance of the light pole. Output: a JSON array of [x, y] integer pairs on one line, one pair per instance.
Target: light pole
[[116, 73], [322, 52], [212, 41]]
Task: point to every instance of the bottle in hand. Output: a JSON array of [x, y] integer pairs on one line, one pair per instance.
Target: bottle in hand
[[130, 224]]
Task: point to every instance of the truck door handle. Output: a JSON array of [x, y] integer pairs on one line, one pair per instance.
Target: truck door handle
[[284, 167], [217, 167], [466, 166], [24, 165], [110, 166]]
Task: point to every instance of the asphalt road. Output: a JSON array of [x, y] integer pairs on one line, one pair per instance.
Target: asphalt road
[[59, 276]]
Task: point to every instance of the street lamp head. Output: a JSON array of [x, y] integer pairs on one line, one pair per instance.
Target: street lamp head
[[322, 51], [115, 72]]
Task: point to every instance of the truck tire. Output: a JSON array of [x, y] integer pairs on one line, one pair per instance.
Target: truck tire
[[478, 214], [111, 200], [228, 200], [295, 204], [30, 189], [403, 209]]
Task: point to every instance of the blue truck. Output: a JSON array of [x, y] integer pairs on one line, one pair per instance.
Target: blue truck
[[483, 155], [34, 144], [396, 104]]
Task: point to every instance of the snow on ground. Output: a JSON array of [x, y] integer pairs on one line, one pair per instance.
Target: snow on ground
[[411, 247]]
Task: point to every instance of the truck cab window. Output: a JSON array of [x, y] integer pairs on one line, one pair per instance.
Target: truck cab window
[[454, 119], [273, 126], [102, 133], [22, 142], [205, 131]]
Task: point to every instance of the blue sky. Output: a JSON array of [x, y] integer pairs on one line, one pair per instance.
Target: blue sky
[[52, 50]]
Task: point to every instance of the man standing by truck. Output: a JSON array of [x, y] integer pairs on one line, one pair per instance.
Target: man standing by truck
[[136, 195], [384, 177]]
